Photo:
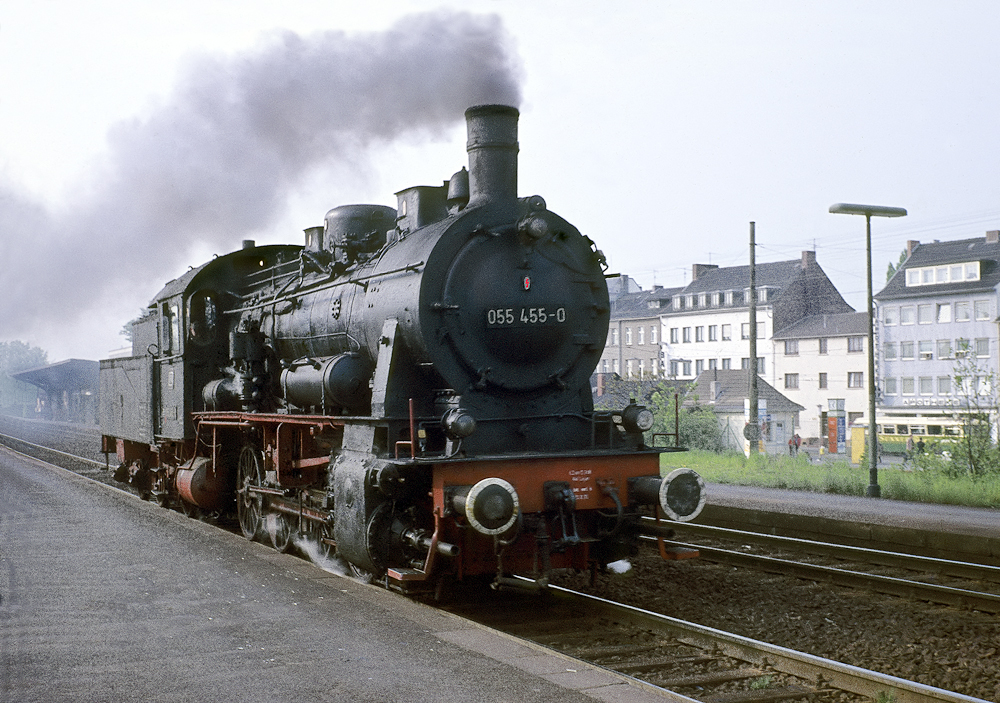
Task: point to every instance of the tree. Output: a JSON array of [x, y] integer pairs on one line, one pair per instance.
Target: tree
[[976, 387], [698, 426], [18, 356], [890, 272]]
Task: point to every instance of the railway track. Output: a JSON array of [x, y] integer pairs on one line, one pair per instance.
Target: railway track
[[955, 583], [695, 662]]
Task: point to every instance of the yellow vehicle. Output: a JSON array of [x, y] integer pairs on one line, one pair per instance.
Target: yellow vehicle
[[896, 429]]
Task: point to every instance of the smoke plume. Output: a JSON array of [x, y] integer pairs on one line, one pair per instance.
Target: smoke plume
[[217, 160]]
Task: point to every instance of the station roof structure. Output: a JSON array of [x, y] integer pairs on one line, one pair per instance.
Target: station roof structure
[[70, 375]]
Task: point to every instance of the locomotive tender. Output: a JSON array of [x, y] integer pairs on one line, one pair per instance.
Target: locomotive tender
[[410, 389]]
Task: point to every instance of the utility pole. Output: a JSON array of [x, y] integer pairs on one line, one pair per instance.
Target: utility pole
[[754, 414]]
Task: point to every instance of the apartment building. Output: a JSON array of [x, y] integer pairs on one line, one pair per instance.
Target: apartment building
[[707, 325], [937, 312], [633, 347], [821, 362]]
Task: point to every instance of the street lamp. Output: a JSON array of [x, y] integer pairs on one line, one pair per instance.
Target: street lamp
[[873, 490]]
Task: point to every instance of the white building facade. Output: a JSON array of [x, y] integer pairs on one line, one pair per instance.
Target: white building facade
[[708, 324], [821, 363], [937, 317]]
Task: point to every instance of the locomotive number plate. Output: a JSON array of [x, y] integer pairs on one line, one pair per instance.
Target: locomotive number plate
[[525, 317]]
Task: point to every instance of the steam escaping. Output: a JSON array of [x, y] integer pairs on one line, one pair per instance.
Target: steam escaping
[[216, 162], [330, 564]]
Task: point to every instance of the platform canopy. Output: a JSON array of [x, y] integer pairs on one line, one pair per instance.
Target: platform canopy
[[73, 375]]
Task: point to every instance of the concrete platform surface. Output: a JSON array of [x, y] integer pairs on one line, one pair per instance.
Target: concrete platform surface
[[107, 598], [926, 516]]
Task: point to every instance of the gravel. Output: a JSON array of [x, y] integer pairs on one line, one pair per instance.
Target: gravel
[[953, 649]]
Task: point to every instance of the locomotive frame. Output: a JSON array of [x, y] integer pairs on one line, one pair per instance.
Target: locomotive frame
[[409, 390]]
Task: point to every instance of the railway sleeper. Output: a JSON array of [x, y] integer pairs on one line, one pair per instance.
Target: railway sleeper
[[663, 663], [711, 678], [618, 650], [767, 695]]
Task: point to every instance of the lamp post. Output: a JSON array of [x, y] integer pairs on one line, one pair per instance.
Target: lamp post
[[873, 490]]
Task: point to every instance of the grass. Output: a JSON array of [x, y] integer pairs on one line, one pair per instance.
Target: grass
[[839, 477]]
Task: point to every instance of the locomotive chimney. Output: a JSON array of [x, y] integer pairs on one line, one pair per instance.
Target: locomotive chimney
[[492, 148]]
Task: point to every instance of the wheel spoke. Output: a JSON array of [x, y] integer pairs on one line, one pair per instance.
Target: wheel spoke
[[281, 530], [250, 504]]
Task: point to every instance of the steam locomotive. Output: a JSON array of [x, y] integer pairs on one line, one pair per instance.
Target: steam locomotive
[[409, 390]]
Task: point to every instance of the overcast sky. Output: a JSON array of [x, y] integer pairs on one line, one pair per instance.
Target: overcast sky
[[661, 129]]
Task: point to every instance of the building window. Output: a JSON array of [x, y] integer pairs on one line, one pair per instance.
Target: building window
[[889, 385], [745, 364], [727, 333], [944, 349], [823, 345], [890, 316], [855, 379], [926, 350], [855, 344], [699, 366], [689, 300], [791, 347], [615, 366], [822, 380], [628, 365], [944, 385], [745, 330], [713, 333], [962, 348], [628, 336], [925, 314], [687, 368], [906, 385], [674, 368], [907, 315], [713, 364], [699, 334], [654, 368], [642, 368], [982, 309], [703, 300], [791, 380], [963, 312], [686, 335], [673, 335], [926, 385], [727, 364], [716, 299], [932, 275], [614, 337], [944, 312], [889, 350], [906, 350], [652, 334], [982, 347], [642, 336]]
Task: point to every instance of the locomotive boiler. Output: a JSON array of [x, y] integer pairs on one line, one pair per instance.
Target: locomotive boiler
[[410, 389]]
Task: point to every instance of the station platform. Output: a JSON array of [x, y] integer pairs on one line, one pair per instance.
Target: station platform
[[107, 598], [942, 531]]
